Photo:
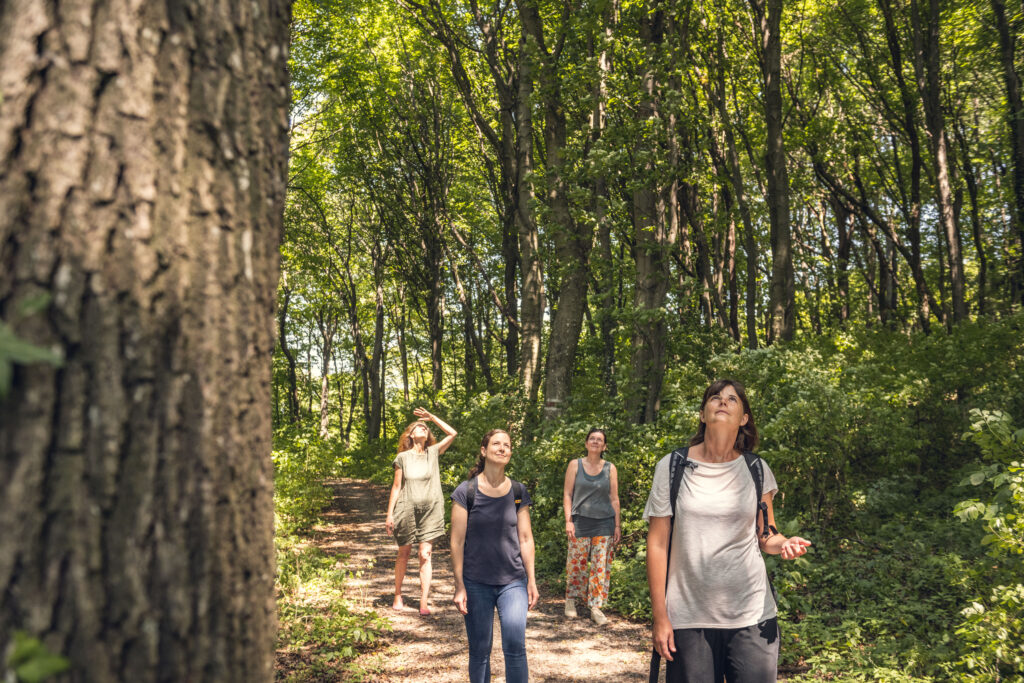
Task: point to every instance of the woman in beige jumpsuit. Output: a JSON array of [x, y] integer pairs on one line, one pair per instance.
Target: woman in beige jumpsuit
[[416, 505]]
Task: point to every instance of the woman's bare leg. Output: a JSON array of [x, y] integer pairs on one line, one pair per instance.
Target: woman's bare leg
[[401, 562], [426, 573]]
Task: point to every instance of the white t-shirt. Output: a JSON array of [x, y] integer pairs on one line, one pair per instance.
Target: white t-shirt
[[717, 577]]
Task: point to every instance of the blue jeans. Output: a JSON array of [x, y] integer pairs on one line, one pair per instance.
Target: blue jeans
[[512, 602]]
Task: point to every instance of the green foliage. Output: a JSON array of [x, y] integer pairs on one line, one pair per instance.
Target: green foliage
[[29, 661], [302, 463], [318, 625], [16, 351], [992, 624]]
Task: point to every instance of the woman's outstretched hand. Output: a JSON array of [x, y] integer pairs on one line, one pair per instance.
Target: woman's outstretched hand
[[794, 547], [423, 413]]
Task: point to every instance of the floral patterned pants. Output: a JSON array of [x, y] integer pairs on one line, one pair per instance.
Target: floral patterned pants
[[593, 584]]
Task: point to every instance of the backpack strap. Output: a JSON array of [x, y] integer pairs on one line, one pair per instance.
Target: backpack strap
[[679, 460], [518, 491], [756, 467], [471, 487]]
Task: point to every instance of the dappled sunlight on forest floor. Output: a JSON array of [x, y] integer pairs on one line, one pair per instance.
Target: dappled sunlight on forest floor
[[434, 648]]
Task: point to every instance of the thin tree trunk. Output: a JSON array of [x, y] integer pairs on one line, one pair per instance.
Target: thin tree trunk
[[652, 239], [972, 191], [328, 324], [929, 54], [604, 265], [144, 156], [282, 339], [572, 239], [1015, 120], [781, 294], [374, 374], [532, 292], [910, 125]]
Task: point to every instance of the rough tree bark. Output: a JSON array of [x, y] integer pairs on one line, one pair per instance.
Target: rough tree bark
[[143, 152]]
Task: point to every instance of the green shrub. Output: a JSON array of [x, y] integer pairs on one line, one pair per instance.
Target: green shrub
[[992, 625], [302, 464], [317, 622]]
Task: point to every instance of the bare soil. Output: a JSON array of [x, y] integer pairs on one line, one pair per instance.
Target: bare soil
[[434, 648]]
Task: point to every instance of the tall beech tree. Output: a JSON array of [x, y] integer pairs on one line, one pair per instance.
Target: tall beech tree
[[144, 151]]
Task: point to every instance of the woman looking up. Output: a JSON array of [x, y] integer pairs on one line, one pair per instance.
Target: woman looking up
[[492, 558], [713, 607], [590, 499], [416, 505]]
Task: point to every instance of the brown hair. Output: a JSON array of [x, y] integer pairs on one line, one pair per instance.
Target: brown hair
[[405, 440], [746, 438], [480, 459]]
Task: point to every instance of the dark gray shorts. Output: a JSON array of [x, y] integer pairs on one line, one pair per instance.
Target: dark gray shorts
[[740, 655]]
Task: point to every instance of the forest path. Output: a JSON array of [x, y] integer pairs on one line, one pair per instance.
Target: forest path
[[434, 648]]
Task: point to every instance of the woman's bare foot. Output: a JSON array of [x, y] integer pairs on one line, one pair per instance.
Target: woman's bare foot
[[398, 605]]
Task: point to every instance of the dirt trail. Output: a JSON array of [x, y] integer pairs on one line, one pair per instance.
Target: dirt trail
[[434, 648]]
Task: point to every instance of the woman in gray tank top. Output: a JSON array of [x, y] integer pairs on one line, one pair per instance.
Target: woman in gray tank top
[[591, 501]]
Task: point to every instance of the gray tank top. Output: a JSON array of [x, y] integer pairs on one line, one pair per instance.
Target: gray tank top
[[592, 501]]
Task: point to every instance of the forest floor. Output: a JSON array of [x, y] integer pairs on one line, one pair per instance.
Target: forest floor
[[434, 648]]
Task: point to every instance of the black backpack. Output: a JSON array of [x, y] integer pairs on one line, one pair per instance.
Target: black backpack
[[677, 464], [518, 490]]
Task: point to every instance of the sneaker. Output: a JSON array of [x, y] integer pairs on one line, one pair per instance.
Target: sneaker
[[598, 617], [570, 608]]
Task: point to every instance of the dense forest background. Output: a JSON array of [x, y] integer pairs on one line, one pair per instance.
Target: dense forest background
[[548, 216]]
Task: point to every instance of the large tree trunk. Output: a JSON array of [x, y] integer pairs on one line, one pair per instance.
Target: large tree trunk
[[143, 149], [781, 296]]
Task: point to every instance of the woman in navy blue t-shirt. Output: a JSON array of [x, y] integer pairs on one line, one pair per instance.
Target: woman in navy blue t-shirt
[[492, 554]]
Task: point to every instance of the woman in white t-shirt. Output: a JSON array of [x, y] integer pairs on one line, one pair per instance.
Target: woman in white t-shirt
[[714, 613]]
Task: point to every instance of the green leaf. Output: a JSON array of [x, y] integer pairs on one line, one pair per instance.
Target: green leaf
[[41, 668]]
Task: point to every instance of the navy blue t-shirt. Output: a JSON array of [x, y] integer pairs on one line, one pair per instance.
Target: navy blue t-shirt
[[491, 552]]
